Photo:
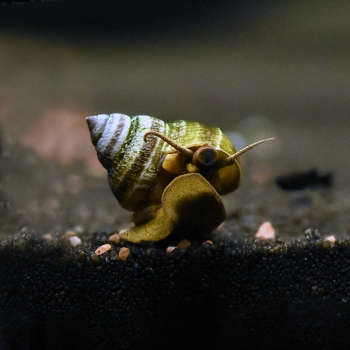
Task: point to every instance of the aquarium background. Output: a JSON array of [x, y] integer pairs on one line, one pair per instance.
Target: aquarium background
[[255, 69]]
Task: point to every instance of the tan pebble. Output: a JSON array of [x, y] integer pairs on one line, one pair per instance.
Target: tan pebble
[[75, 241], [114, 238], [48, 237], [170, 249], [104, 248], [184, 244], [208, 242], [266, 231], [331, 240], [124, 253]]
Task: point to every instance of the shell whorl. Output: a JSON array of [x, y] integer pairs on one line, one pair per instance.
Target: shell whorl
[[133, 162], [108, 133]]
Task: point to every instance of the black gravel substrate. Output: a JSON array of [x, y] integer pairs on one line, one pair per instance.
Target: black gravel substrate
[[234, 295]]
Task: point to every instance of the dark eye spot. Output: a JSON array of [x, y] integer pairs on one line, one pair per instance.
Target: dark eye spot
[[207, 157]]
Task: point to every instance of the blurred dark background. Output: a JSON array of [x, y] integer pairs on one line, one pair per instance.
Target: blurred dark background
[[253, 68], [132, 20]]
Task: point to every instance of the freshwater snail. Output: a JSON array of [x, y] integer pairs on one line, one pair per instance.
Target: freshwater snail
[[167, 174]]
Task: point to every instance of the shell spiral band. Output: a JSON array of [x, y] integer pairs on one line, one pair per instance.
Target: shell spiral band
[[163, 171]]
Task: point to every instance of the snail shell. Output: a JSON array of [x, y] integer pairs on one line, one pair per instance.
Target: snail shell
[[139, 170]]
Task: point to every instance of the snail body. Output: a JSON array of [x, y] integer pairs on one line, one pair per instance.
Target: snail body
[[143, 156], [134, 166]]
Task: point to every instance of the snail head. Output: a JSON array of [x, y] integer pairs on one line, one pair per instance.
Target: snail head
[[205, 158]]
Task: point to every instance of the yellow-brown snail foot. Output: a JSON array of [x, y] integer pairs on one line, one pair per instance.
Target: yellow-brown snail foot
[[154, 230], [188, 201], [193, 203]]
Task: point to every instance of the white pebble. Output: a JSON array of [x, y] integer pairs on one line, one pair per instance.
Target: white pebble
[[74, 241], [266, 231]]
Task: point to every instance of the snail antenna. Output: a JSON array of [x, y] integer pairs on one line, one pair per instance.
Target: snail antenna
[[231, 159], [183, 150]]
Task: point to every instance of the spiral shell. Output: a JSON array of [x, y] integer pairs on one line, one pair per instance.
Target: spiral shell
[[169, 174], [133, 163]]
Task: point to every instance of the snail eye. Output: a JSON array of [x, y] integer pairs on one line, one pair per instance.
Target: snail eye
[[205, 156]]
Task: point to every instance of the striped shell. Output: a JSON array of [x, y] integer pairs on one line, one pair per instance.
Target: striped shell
[[134, 165]]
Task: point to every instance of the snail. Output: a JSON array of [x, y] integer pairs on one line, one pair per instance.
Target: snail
[[167, 174]]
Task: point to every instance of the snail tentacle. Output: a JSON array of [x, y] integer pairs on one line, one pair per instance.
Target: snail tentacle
[[231, 159], [183, 150]]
